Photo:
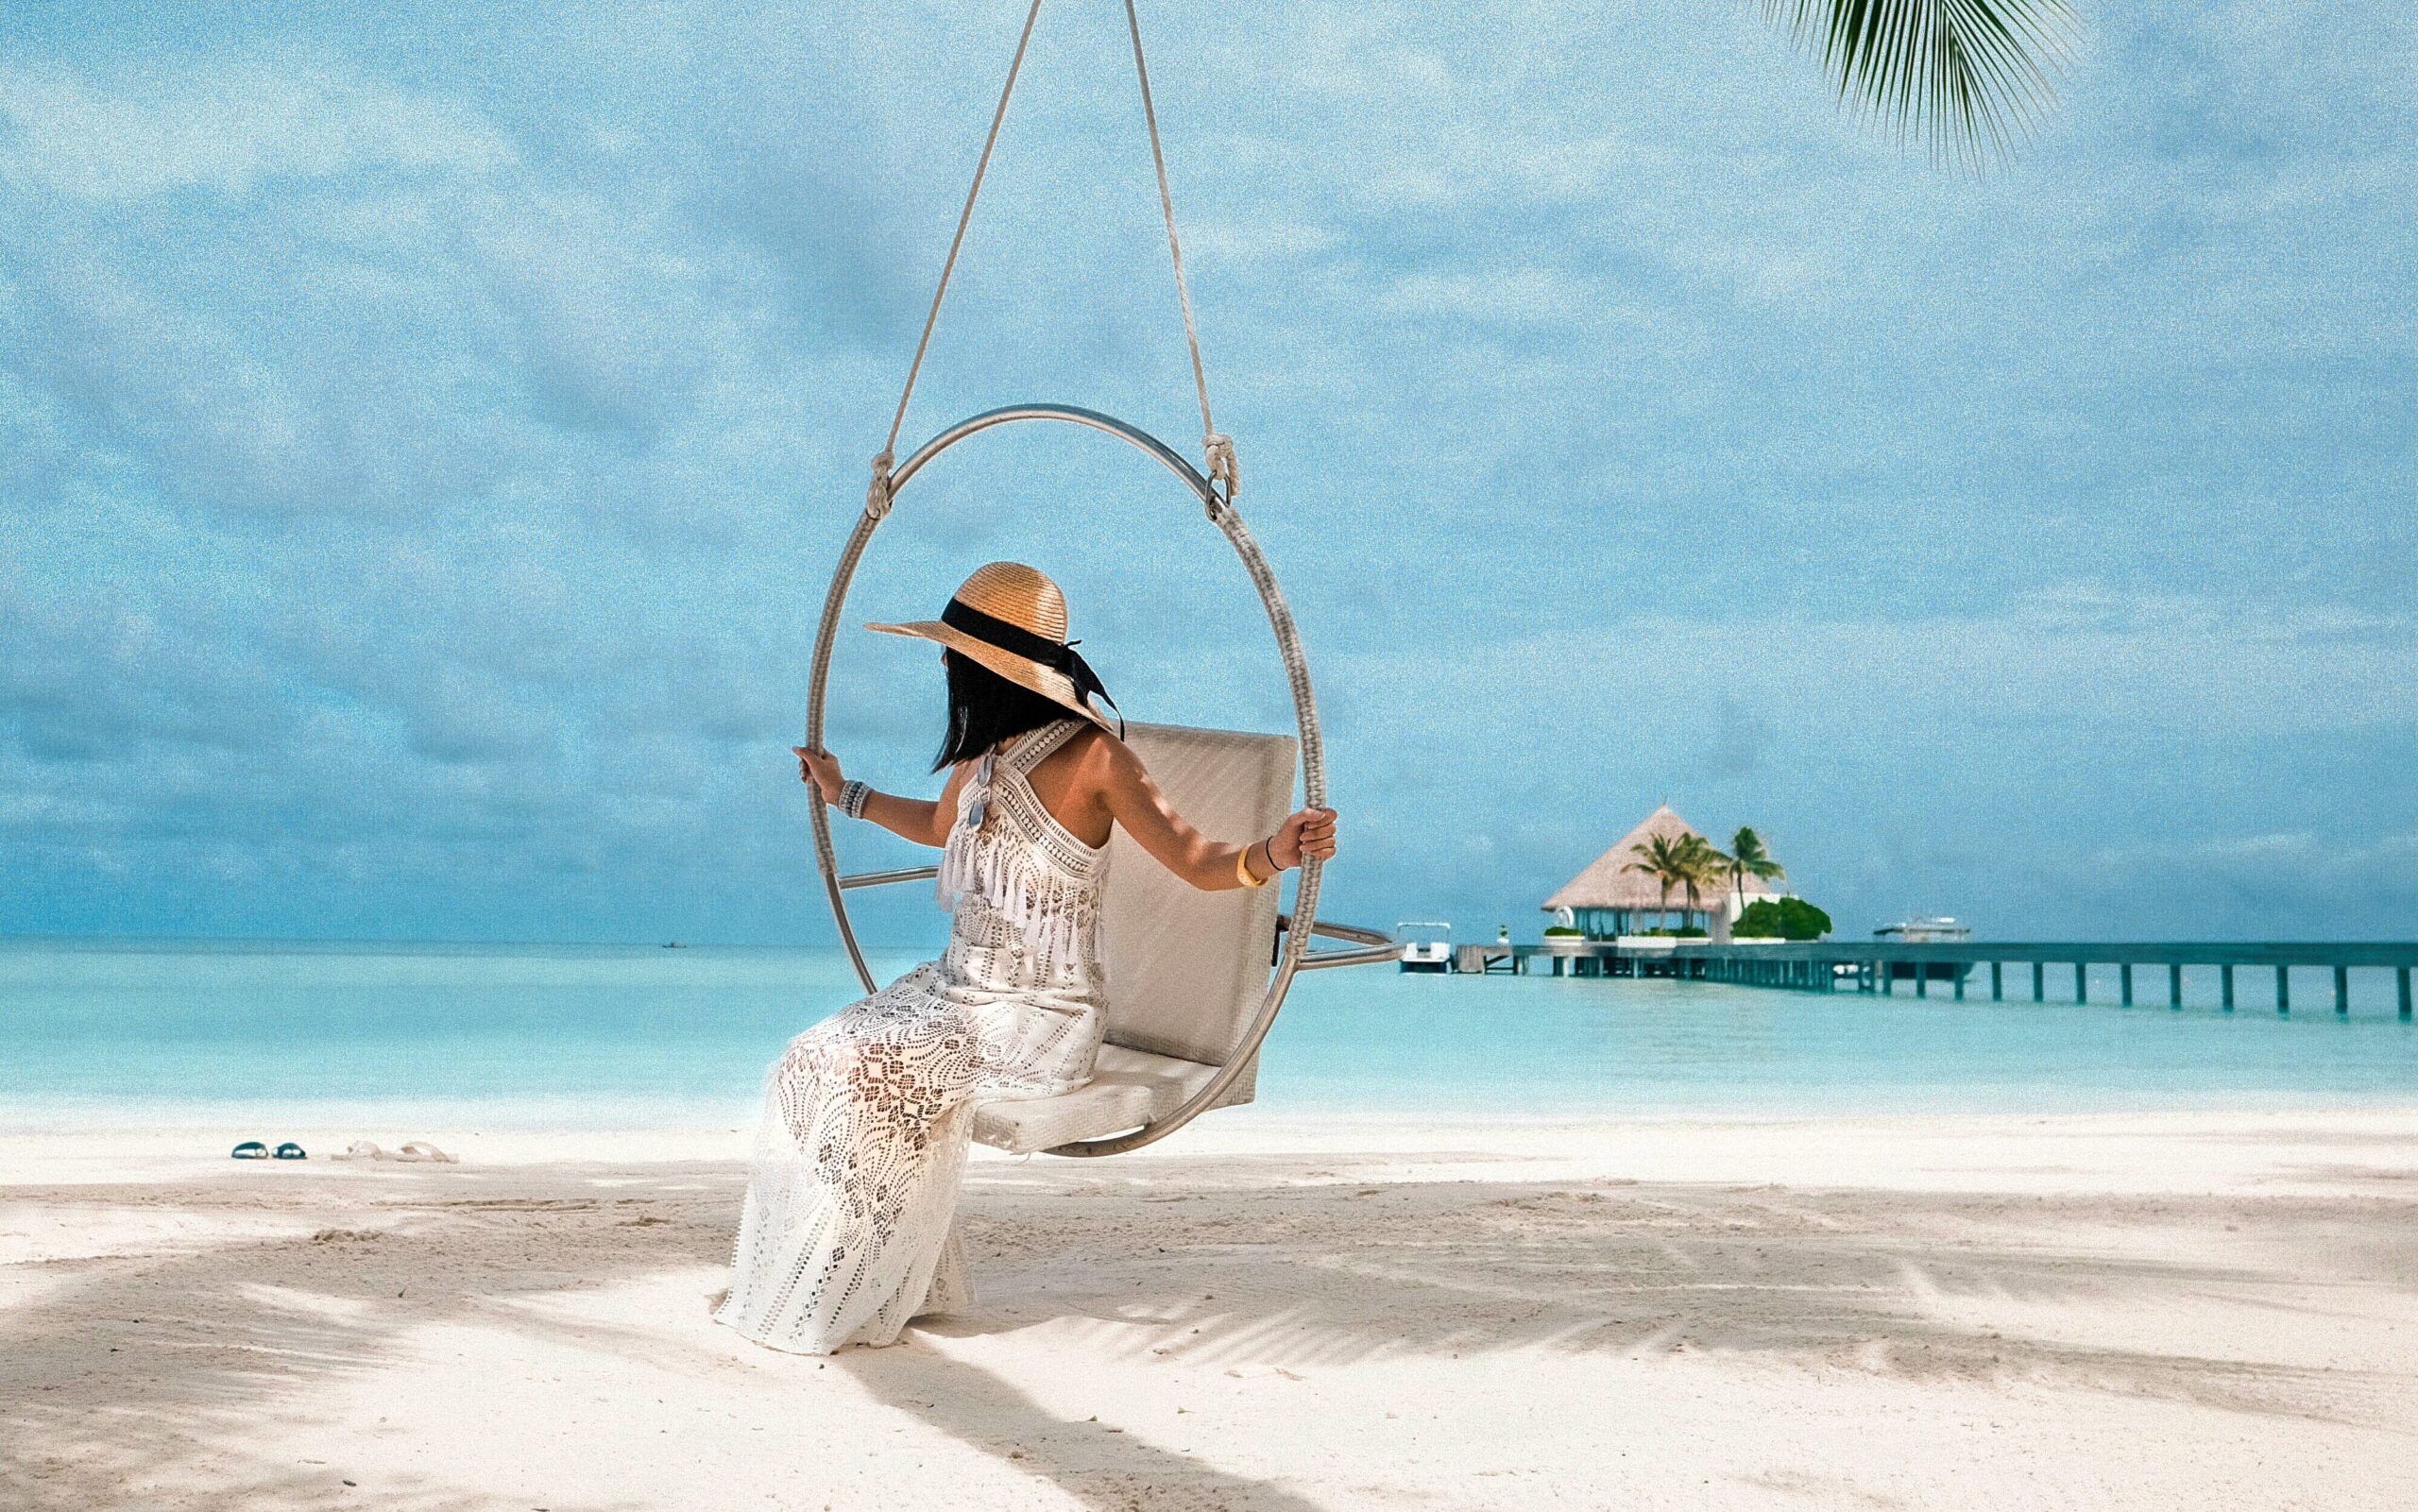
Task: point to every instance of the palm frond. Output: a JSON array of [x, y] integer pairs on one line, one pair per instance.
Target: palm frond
[[1749, 857], [1969, 76]]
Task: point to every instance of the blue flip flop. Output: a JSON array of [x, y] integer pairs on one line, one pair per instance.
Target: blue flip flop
[[291, 1152], [251, 1149]]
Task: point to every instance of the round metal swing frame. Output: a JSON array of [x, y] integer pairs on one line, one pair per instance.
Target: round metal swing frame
[[1296, 955]]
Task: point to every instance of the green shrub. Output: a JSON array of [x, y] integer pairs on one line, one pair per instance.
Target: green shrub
[[1561, 931], [1782, 918]]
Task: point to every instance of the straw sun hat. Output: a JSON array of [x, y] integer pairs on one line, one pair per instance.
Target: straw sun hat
[[1013, 619]]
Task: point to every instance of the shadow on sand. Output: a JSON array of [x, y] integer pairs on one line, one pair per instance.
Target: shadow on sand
[[124, 1378]]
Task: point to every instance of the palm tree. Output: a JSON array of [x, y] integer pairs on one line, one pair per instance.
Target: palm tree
[[1704, 868], [1665, 858], [1686, 862], [1969, 76], [1747, 858]]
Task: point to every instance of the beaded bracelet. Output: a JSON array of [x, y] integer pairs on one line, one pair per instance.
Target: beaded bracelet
[[852, 798]]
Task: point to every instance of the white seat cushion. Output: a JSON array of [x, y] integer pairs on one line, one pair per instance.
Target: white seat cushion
[[1129, 1088]]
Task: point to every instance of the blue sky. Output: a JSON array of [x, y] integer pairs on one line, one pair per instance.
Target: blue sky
[[424, 434]]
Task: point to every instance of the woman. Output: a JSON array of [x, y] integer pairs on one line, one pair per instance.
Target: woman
[[847, 1229]]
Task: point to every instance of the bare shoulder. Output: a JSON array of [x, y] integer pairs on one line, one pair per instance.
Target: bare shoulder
[[1103, 764], [1100, 755]]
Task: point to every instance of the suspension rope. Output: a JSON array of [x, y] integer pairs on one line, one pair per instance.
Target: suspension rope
[[877, 497], [1216, 449], [1219, 449]]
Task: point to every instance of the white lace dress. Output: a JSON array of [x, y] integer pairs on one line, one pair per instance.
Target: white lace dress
[[849, 1225]]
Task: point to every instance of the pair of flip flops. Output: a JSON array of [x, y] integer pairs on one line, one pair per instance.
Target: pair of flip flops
[[418, 1150], [252, 1149]]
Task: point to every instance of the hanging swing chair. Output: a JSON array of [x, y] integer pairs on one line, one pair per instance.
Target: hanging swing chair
[[1191, 990]]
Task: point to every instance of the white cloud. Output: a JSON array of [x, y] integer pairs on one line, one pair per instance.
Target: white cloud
[[1519, 296], [2325, 877], [227, 126], [1258, 241], [2076, 654], [355, 341]]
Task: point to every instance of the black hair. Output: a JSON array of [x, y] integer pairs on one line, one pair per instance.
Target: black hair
[[984, 709]]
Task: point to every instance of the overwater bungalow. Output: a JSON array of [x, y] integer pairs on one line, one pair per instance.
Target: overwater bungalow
[[1607, 900]]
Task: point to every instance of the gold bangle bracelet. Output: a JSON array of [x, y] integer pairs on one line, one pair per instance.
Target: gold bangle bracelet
[[1242, 868]]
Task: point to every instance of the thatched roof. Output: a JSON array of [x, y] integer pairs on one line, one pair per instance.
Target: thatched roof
[[1606, 885]]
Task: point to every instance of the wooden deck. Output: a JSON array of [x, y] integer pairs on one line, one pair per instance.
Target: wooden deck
[[1884, 967]]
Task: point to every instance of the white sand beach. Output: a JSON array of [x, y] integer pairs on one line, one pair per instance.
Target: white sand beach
[[2170, 1311]]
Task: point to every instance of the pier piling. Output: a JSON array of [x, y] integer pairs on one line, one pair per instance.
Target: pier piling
[[1877, 966]]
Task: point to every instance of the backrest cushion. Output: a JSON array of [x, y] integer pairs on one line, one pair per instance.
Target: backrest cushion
[[1187, 969]]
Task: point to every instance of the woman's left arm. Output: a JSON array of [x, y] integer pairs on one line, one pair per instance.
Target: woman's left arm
[[1134, 801]]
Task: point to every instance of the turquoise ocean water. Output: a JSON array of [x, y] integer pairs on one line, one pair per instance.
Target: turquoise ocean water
[[110, 1033]]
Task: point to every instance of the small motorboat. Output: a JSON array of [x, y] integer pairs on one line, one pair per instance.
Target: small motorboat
[[1426, 945], [1937, 929]]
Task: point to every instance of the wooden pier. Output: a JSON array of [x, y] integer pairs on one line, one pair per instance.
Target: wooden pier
[[1884, 967]]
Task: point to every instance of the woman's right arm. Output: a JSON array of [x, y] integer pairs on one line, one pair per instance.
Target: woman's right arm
[[924, 821], [1135, 802]]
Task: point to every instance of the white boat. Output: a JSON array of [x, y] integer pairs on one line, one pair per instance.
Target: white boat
[[1939, 929], [1426, 954]]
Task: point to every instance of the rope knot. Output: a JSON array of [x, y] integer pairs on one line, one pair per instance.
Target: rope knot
[[877, 493], [1222, 465]]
